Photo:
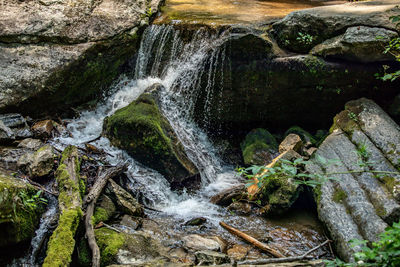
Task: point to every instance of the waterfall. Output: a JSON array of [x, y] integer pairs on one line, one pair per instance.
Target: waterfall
[[180, 65]]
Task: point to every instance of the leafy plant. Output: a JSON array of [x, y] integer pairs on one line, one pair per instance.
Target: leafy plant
[[32, 201], [385, 252], [305, 38], [392, 48]]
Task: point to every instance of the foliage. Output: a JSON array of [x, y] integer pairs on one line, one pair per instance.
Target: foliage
[[304, 38], [385, 252], [392, 48], [290, 169], [31, 202]]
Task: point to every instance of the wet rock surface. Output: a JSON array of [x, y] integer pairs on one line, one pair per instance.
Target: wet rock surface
[[18, 222], [323, 23], [143, 131], [42, 62], [357, 205], [39, 163]]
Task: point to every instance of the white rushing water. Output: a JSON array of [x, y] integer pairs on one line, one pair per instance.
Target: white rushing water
[[164, 58]]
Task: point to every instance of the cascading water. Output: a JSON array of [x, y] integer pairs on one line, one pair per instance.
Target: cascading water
[[179, 66]]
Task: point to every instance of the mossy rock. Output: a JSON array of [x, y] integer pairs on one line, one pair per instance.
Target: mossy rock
[[259, 147], [281, 192], [142, 130], [17, 221], [304, 135], [134, 246]]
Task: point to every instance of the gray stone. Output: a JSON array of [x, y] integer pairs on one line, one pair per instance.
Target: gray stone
[[322, 23], [207, 257], [38, 164], [6, 134], [29, 143], [126, 203], [224, 198], [9, 157], [131, 222], [357, 203], [362, 44], [292, 141], [46, 45], [16, 123], [241, 208], [198, 242]]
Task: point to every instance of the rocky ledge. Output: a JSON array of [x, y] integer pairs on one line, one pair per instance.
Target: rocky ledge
[[63, 53]]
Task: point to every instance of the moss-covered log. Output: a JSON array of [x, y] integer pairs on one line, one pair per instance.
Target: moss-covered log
[[62, 242]]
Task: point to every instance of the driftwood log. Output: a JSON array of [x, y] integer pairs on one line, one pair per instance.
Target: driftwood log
[[287, 259], [252, 240], [90, 201]]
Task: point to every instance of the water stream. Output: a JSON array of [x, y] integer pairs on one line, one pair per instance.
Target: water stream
[[181, 66]]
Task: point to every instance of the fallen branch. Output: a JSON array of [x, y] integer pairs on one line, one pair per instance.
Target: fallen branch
[[40, 187], [286, 259], [90, 201], [252, 240]]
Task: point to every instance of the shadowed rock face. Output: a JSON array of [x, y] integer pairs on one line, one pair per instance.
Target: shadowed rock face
[[323, 23], [359, 205], [62, 53]]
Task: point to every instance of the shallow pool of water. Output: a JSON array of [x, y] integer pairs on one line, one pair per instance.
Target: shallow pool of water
[[232, 11]]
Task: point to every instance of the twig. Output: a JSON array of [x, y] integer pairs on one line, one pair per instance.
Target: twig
[[112, 228], [40, 187], [252, 240], [286, 259], [90, 201]]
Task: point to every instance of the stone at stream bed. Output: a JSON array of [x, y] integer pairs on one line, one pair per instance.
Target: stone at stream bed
[[142, 130], [104, 210], [198, 242], [125, 202], [322, 23], [123, 248], [238, 252], [241, 208], [39, 163], [17, 221], [131, 222], [13, 126], [74, 50], [358, 205], [196, 221], [363, 44], [225, 197], [259, 147], [292, 141], [43, 129], [307, 138], [30, 143], [207, 257]]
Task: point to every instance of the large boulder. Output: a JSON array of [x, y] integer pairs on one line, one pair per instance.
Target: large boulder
[[301, 30], [358, 202], [361, 43], [18, 220], [63, 53], [143, 131]]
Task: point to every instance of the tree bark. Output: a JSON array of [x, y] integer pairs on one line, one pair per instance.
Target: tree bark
[[252, 240], [90, 201]]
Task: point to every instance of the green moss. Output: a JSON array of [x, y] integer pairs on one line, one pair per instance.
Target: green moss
[[256, 142], [109, 243], [84, 254], [100, 215], [339, 195], [146, 135], [18, 223], [61, 244], [304, 135], [82, 186]]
